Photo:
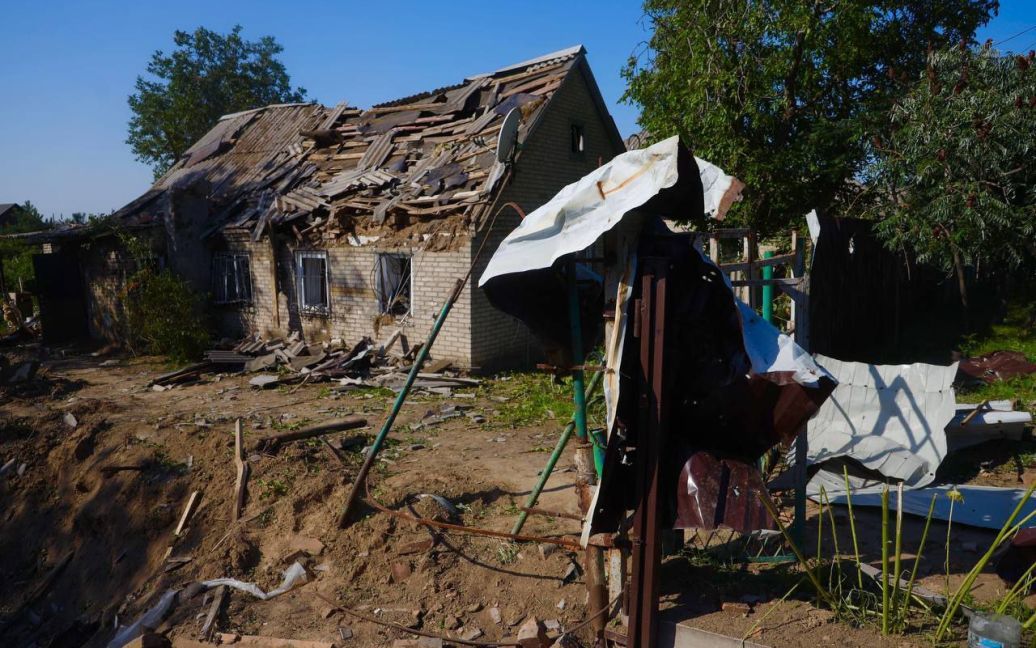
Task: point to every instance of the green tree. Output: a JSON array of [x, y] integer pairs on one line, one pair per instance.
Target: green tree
[[207, 76], [957, 178], [15, 254], [786, 94]]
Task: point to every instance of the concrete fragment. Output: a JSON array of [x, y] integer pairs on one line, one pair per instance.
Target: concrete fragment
[[312, 546], [400, 572], [532, 634], [423, 642], [494, 614]]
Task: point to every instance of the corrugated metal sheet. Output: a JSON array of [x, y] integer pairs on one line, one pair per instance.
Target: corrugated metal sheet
[[890, 418]]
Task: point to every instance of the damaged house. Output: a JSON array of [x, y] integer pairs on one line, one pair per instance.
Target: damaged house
[[345, 223]]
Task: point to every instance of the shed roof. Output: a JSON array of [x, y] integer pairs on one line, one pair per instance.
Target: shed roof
[[415, 169]]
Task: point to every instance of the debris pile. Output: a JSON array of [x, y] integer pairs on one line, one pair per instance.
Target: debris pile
[[292, 360]]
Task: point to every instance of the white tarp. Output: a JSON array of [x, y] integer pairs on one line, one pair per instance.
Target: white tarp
[[577, 216], [890, 418], [598, 201], [721, 190]]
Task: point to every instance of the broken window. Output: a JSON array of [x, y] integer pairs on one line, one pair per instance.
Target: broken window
[[311, 280], [578, 140], [393, 283], [231, 279]]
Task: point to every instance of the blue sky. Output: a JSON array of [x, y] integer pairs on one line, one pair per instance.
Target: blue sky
[[66, 68]]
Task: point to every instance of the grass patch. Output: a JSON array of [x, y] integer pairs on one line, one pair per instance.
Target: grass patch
[[536, 397], [1016, 333]]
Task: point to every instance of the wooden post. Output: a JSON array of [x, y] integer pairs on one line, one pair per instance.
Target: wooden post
[[714, 247], [273, 273], [800, 305], [242, 470], [750, 256]]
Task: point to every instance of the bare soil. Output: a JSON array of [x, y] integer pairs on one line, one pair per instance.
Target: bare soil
[[120, 526]]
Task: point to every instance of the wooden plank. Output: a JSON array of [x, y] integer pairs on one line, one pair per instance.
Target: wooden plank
[[187, 510], [347, 423], [729, 233], [242, 470], [779, 282], [210, 618], [780, 259]]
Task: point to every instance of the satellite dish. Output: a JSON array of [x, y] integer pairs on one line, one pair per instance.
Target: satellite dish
[[507, 140]]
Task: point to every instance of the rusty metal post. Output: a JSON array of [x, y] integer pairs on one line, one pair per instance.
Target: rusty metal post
[[650, 312]]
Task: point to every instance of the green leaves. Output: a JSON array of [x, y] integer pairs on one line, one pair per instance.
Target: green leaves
[[207, 76], [956, 179], [784, 94]]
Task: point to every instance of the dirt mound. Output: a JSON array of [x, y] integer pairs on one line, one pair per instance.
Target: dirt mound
[[99, 482]]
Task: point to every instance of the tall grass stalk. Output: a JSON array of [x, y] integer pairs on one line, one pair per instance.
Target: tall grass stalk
[[902, 613], [1023, 584], [773, 608], [820, 534], [771, 508], [852, 527], [898, 559], [885, 561], [836, 564], [954, 495], [1007, 531]]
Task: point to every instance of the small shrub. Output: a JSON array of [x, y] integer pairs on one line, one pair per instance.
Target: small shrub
[[164, 316]]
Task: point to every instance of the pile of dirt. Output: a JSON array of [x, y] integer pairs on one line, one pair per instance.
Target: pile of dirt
[[99, 482]]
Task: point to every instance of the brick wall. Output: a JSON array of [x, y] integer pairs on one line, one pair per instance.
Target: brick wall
[[106, 265], [354, 311], [546, 165]]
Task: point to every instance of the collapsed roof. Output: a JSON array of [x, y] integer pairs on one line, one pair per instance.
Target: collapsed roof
[[416, 169]]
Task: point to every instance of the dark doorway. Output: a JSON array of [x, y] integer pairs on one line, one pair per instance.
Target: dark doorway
[[59, 286]]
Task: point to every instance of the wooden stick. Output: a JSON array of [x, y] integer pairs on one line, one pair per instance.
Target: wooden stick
[[217, 603], [975, 412], [347, 423], [242, 470], [187, 510]]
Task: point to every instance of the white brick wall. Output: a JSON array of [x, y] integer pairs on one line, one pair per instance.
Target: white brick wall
[[475, 334]]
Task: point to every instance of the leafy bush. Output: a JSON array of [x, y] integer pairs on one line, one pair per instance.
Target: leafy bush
[[164, 316]]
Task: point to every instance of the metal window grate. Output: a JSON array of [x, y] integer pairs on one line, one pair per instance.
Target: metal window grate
[[231, 279], [394, 283], [311, 281]]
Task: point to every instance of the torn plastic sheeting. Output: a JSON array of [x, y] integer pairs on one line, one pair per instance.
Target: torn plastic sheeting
[[890, 418], [294, 575], [149, 619]]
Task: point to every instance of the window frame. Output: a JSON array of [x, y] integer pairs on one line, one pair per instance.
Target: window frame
[[577, 130], [300, 282], [220, 265], [379, 292]]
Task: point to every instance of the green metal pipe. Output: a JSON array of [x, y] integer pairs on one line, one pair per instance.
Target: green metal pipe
[[578, 378], [566, 434], [768, 289], [419, 361]]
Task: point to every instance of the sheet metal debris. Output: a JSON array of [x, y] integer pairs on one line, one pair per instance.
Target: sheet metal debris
[[751, 388], [890, 418]]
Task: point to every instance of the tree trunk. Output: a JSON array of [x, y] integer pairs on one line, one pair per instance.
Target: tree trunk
[[962, 286]]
